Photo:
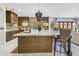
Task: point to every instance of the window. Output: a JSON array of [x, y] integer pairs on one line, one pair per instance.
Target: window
[[65, 24]]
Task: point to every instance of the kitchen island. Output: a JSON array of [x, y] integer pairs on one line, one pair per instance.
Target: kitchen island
[[35, 42]]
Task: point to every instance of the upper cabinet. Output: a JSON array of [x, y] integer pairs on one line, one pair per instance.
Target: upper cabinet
[[11, 17], [45, 21], [23, 19]]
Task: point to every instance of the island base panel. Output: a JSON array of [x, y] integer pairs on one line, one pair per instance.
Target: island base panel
[[34, 44]]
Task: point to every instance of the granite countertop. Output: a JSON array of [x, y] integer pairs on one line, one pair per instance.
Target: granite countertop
[[37, 33]]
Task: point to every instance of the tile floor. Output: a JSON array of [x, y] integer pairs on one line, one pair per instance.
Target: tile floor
[[9, 46]]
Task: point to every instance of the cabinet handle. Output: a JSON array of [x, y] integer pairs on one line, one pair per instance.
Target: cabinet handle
[[1, 28]]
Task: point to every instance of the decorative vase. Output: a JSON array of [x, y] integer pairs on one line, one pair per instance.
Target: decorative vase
[[39, 28]]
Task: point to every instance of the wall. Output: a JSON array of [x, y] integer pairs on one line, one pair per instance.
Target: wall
[[50, 21], [1, 26]]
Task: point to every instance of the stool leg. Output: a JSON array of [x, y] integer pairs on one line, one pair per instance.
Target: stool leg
[[54, 47], [60, 46], [65, 50]]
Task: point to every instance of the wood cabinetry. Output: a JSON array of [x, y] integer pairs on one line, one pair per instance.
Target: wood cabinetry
[[21, 19], [9, 34], [34, 44], [11, 17], [45, 21]]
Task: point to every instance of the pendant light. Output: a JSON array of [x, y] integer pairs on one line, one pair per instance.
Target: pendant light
[[38, 14]]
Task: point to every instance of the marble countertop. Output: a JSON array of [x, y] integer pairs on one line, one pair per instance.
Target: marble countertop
[[7, 30], [41, 33], [37, 33]]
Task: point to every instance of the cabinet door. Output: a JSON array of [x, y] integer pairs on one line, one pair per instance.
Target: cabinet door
[[8, 17], [14, 18], [21, 19], [11, 17], [45, 23]]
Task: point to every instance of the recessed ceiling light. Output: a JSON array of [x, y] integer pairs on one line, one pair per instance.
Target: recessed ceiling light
[[33, 10], [73, 8], [46, 11], [19, 10]]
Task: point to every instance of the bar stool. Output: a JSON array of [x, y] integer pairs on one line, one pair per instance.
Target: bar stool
[[62, 39]]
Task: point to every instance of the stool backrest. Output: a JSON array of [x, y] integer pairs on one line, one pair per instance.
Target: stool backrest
[[64, 34]]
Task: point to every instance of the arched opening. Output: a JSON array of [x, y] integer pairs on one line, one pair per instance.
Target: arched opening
[[2, 40]]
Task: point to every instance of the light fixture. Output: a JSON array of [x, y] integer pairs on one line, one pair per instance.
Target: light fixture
[[38, 14], [74, 9], [33, 10], [19, 10]]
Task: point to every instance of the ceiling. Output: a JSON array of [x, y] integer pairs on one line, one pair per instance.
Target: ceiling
[[48, 9]]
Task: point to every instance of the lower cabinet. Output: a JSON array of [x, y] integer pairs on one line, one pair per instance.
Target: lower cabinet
[[34, 44], [9, 34]]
